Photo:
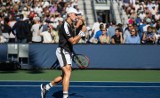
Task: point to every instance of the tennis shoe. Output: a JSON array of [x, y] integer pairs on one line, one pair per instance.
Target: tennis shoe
[[43, 91]]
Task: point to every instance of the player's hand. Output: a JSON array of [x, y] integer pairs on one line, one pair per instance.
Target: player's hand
[[121, 34], [84, 29]]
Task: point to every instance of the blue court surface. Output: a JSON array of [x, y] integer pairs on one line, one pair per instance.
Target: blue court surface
[[31, 89]]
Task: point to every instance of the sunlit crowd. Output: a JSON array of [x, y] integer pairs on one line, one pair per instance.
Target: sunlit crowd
[[38, 21]]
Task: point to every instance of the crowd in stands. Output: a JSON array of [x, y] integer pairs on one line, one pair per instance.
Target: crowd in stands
[[38, 21], [143, 25], [33, 21], [145, 17]]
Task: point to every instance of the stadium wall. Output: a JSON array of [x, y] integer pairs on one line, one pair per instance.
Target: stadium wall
[[101, 56]]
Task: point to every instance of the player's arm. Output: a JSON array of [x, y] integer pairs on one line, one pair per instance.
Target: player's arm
[[76, 39], [78, 24]]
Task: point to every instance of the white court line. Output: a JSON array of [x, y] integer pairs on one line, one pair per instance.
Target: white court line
[[84, 86], [78, 81]]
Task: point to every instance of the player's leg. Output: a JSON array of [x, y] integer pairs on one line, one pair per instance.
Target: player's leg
[[53, 82], [45, 88], [66, 79], [65, 61]]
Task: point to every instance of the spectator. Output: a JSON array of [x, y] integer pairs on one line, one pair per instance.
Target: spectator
[[49, 35], [154, 30], [158, 26], [142, 15], [111, 29], [127, 31], [11, 23], [137, 20], [104, 38], [36, 38], [133, 38], [60, 22], [22, 30], [25, 13], [6, 29], [1, 37], [157, 16], [130, 20], [38, 9], [153, 12], [140, 28], [99, 33], [118, 37], [95, 28], [149, 37]]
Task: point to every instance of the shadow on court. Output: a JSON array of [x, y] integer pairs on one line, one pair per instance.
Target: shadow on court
[[35, 71], [8, 71], [59, 94]]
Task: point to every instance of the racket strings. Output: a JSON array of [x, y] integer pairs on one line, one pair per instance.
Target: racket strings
[[81, 61]]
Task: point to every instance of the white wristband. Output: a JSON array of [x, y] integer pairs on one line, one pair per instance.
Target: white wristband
[[82, 34]]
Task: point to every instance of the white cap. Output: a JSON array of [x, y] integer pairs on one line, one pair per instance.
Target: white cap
[[72, 10], [16, 1], [24, 8], [36, 18], [60, 19]]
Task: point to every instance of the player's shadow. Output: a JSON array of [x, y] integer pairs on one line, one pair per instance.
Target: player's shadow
[[59, 94]]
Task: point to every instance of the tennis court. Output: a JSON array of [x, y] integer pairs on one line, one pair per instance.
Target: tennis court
[[31, 89], [85, 84]]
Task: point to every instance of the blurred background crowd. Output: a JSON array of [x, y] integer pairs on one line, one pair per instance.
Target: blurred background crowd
[[38, 21]]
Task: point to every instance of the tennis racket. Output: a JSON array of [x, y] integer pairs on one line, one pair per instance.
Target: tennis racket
[[81, 60]]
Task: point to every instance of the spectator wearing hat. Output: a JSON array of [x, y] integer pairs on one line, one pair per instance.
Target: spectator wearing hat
[[36, 38], [25, 13], [148, 23], [60, 22], [49, 35]]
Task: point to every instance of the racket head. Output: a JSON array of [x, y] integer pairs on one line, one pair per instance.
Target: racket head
[[81, 61]]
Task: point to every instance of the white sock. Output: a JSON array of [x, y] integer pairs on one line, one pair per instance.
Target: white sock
[[48, 86], [65, 94]]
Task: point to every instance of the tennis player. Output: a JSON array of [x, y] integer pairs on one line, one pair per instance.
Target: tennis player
[[67, 39]]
